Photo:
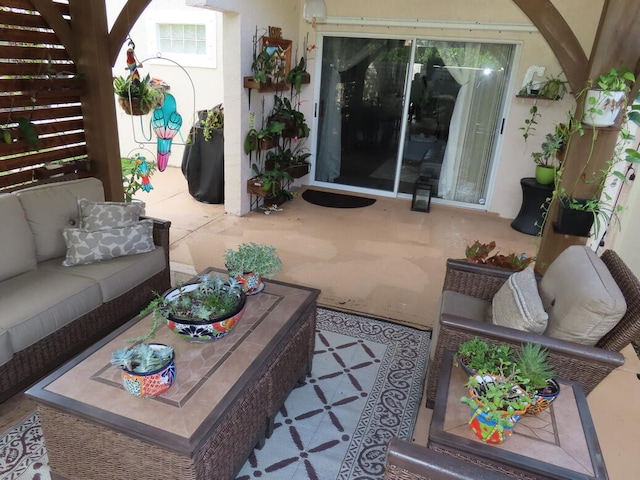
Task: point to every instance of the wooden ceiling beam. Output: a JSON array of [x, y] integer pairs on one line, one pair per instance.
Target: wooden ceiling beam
[[122, 26], [563, 42]]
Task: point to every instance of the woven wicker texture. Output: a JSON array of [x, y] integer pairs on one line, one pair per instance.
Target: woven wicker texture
[[628, 328], [568, 359]]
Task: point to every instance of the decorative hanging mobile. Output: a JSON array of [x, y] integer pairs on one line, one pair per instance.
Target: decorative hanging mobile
[[144, 171], [166, 123], [132, 62]]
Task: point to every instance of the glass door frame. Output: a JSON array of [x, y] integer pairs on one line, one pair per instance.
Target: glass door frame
[[493, 164]]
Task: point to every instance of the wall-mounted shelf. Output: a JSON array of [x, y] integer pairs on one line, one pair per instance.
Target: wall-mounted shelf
[[252, 84]]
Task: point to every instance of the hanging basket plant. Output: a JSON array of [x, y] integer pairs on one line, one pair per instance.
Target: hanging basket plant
[[137, 96]]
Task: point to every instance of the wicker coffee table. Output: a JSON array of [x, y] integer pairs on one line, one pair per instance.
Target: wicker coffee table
[[559, 443], [219, 409]]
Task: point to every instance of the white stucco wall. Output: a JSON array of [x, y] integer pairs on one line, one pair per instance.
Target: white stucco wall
[[514, 160]]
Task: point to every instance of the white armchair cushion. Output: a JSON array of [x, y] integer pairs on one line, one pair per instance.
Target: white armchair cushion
[[517, 304], [585, 300]]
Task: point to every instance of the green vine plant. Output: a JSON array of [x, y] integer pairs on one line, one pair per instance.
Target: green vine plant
[[531, 122]]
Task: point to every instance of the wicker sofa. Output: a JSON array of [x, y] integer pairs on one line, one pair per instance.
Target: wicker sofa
[[50, 312], [586, 364]]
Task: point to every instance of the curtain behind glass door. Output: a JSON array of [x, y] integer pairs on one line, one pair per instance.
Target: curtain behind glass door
[[361, 100]]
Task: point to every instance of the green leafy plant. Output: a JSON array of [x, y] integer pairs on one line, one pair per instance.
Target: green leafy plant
[[499, 397], [271, 180], [260, 259], [479, 253], [132, 178], [254, 137], [531, 122], [616, 79], [213, 296], [482, 357], [297, 74], [142, 357], [554, 88], [293, 119], [149, 95], [213, 121]]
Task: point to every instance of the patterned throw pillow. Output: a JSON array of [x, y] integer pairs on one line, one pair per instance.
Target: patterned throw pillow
[[98, 215], [518, 305], [84, 247]]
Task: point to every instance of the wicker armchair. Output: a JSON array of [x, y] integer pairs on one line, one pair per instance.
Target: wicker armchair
[[408, 461], [585, 364]]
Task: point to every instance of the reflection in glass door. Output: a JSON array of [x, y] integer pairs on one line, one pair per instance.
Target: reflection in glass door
[[456, 100], [455, 96], [361, 101]]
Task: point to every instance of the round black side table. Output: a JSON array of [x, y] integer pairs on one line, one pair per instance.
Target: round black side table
[[534, 195]]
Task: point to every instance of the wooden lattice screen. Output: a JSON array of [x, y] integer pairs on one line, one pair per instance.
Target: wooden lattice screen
[[39, 101]]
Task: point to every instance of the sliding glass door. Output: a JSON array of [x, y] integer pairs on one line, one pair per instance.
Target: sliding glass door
[[393, 110]]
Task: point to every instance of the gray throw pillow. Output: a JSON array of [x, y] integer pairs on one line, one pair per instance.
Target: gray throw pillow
[[84, 247], [98, 215], [518, 305]]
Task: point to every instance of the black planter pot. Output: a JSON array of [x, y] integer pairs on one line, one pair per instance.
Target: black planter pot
[[203, 166], [574, 222]]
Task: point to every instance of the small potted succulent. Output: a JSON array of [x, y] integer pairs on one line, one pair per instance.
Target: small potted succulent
[[250, 263], [148, 369], [537, 376], [200, 312]]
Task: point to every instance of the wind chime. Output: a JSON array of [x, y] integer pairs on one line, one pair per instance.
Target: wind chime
[[165, 119]]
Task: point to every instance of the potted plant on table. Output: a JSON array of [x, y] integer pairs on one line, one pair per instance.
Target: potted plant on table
[[148, 369], [537, 374], [250, 263], [497, 402], [137, 96], [477, 355], [200, 312]]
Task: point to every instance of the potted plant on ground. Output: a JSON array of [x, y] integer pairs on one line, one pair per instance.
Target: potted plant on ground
[[136, 172], [250, 263], [497, 402], [137, 96], [148, 369], [479, 253], [537, 376], [200, 312]]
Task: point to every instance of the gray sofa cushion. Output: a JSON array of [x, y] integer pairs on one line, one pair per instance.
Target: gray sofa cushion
[[99, 215], [49, 208], [17, 250], [585, 300], [115, 276], [86, 247], [39, 302]]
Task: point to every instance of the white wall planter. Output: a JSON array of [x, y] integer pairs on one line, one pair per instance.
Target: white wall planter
[[601, 109]]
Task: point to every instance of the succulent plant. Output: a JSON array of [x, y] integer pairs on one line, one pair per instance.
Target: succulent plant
[[251, 257], [142, 357], [533, 366]]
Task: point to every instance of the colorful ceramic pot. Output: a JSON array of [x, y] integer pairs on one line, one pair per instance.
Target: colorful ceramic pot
[[487, 430], [251, 283], [197, 330], [150, 384], [544, 397]]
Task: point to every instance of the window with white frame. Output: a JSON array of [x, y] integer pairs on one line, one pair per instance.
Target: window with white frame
[[189, 39], [184, 37]]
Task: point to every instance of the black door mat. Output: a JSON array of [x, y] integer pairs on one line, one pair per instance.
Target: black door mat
[[336, 200]]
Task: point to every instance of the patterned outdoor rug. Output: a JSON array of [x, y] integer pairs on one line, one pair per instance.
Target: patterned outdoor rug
[[366, 388]]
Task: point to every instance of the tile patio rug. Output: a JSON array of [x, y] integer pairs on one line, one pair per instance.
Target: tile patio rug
[[366, 387]]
